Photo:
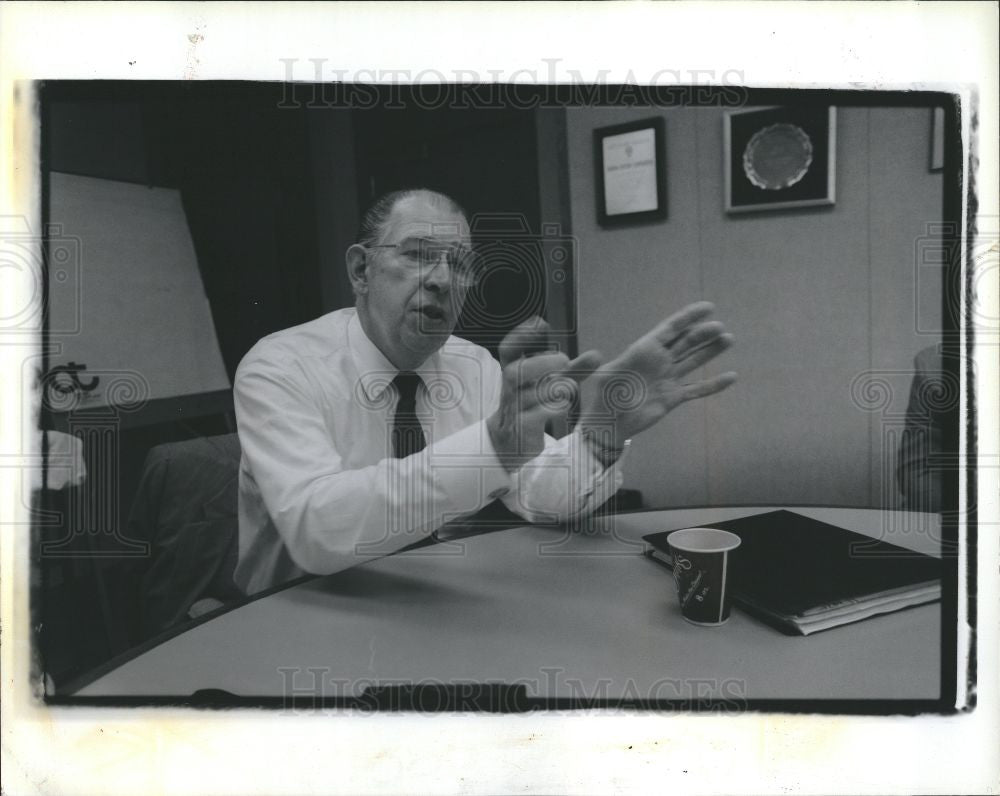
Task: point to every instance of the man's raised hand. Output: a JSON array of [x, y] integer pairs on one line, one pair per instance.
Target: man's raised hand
[[538, 384], [639, 387]]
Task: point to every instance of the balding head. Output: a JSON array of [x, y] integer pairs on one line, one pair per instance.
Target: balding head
[[375, 218]]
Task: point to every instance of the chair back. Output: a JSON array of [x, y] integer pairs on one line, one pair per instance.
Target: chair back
[[186, 507]]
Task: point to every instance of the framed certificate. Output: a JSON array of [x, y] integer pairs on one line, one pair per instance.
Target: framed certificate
[[631, 172], [779, 158]]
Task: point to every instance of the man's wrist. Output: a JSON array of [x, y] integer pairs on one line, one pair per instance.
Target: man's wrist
[[499, 439], [603, 445], [508, 446]]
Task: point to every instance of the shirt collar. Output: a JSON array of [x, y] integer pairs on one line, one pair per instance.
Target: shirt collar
[[375, 372]]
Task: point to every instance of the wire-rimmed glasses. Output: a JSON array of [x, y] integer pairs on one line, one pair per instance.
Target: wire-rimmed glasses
[[424, 255]]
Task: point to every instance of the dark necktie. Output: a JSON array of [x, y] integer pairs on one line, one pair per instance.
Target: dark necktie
[[407, 433]]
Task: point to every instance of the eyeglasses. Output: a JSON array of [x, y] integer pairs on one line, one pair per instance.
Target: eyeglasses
[[425, 255]]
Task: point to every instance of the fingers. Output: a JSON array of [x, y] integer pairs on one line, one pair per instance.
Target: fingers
[[667, 331], [548, 383], [556, 391], [696, 357], [584, 365], [553, 366], [694, 337], [531, 369], [701, 389], [529, 337]]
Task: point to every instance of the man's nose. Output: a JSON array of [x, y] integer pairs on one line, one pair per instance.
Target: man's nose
[[438, 276]]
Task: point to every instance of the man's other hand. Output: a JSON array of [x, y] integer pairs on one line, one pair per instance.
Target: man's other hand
[[639, 387], [538, 384]]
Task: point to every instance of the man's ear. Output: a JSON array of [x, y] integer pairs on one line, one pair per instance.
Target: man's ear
[[356, 259]]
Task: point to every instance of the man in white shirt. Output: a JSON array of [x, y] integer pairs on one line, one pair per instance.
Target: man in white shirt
[[369, 428]]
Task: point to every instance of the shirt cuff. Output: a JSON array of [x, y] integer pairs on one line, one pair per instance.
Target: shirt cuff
[[604, 480], [566, 480], [588, 447], [467, 470]]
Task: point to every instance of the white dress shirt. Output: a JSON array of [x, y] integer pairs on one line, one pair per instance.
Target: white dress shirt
[[319, 489]]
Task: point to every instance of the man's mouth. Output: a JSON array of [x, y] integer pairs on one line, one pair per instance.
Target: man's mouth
[[432, 313]]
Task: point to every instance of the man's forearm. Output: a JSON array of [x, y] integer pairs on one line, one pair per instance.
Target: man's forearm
[[566, 480], [333, 520]]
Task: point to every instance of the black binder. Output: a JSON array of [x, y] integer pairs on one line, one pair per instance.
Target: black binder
[[802, 575]]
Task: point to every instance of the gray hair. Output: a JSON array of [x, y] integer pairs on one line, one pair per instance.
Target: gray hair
[[374, 219]]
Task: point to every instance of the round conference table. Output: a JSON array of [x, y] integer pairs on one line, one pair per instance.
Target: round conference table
[[569, 614]]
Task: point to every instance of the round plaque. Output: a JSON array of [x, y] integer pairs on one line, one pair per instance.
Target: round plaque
[[777, 156]]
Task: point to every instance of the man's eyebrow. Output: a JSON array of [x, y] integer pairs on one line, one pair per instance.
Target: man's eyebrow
[[421, 238]]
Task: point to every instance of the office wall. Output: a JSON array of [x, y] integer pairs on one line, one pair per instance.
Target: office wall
[[815, 297]]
